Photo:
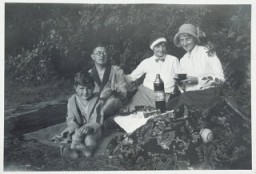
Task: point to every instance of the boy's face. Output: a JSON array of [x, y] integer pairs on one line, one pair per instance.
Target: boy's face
[[84, 92], [99, 56]]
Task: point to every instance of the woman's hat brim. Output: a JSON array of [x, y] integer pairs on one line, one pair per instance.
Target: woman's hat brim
[[176, 38]]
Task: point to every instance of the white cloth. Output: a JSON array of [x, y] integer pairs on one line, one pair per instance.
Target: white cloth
[[199, 64], [167, 70], [131, 122]]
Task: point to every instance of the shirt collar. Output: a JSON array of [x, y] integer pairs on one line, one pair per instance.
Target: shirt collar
[[194, 50], [157, 59]]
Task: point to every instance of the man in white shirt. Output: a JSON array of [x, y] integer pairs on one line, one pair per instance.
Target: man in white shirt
[[160, 63]]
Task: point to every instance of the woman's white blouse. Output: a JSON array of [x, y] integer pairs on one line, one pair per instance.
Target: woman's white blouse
[[207, 68]]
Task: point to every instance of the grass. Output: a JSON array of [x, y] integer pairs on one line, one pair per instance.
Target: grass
[[20, 155], [16, 93]]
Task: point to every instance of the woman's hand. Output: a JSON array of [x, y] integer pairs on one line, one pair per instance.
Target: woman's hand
[[191, 80]]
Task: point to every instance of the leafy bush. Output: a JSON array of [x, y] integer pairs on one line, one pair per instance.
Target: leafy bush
[[66, 34], [232, 43]]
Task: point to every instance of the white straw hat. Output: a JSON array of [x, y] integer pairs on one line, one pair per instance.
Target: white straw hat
[[186, 29]]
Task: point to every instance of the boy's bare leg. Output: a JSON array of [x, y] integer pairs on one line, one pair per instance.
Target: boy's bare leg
[[91, 144], [69, 153], [88, 148]]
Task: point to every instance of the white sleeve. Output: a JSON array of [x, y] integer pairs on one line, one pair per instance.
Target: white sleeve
[[177, 67], [182, 67], [218, 73], [138, 72], [215, 77]]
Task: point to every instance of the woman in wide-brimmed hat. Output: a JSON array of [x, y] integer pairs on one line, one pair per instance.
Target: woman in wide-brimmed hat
[[204, 70]]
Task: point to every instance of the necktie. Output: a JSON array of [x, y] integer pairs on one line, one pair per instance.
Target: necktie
[[161, 59]]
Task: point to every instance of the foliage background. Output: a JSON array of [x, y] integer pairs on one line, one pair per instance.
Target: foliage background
[[46, 44], [48, 41]]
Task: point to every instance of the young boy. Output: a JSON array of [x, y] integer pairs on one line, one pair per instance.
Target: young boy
[[84, 118]]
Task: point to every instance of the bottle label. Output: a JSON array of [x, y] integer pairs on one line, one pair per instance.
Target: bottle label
[[159, 96]]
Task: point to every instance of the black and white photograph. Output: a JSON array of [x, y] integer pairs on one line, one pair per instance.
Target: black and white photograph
[[125, 86]]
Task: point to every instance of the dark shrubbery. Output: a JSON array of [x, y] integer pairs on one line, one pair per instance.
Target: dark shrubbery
[[46, 43], [55, 40]]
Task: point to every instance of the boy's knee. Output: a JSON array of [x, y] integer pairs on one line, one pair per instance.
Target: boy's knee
[[90, 140], [70, 153], [77, 139]]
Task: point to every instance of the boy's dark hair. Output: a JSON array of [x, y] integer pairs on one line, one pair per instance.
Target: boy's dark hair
[[84, 78]]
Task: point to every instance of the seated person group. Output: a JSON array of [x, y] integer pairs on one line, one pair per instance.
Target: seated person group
[[102, 91]]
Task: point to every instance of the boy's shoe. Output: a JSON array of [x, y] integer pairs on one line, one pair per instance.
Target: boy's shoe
[[87, 151], [70, 153]]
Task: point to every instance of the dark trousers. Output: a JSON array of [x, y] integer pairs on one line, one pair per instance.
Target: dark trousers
[[195, 99]]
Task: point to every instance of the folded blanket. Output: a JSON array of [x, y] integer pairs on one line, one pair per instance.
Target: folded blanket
[[50, 136], [45, 135]]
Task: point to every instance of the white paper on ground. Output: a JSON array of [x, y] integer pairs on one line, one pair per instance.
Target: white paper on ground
[[131, 122]]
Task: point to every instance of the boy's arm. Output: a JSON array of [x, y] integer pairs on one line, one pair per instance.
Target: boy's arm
[[96, 119], [93, 126], [71, 115]]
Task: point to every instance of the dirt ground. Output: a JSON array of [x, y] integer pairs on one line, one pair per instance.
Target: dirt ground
[[22, 155]]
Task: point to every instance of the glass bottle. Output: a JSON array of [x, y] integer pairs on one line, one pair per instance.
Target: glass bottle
[[159, 93]]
